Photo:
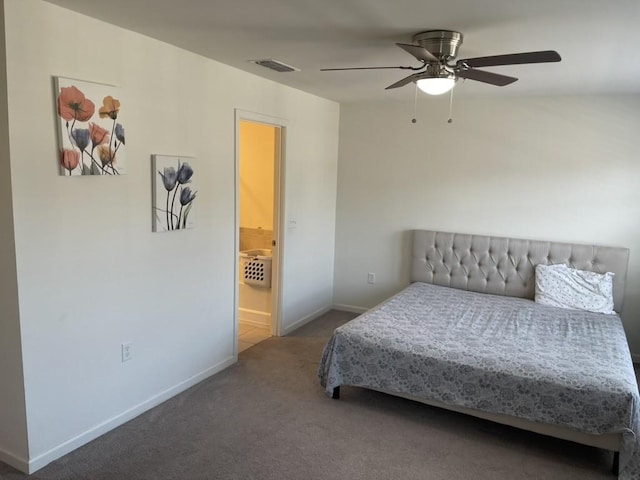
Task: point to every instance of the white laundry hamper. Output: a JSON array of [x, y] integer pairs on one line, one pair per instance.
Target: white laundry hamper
[[256, 267]]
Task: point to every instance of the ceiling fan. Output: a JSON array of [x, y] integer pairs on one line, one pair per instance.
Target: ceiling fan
[[436, 49]]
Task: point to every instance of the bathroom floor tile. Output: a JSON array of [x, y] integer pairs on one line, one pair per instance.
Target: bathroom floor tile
[[255, 336], [250, 335], [244, 328]]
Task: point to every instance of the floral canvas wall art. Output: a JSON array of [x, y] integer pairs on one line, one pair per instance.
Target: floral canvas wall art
[[91, 130], [174, 193]]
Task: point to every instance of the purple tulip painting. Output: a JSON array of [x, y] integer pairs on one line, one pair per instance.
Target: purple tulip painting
[[174, 193], [91, 130]]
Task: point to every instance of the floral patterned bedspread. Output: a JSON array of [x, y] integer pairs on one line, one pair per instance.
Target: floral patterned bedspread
[[496, 354]]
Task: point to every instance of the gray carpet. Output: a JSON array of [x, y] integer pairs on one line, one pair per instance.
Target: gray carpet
[[268, 418]]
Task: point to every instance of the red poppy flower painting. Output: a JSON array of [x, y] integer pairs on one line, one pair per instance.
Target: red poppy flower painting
[[92, 139], [73, 105]]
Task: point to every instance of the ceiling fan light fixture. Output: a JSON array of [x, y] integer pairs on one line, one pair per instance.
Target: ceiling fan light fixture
[[436, 85]]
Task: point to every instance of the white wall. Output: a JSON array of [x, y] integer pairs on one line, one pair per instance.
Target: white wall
[[90, 271], [13, 420], [563, 169]]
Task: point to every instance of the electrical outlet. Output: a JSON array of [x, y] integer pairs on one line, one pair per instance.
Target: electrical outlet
[[127, 351], [371, 278]]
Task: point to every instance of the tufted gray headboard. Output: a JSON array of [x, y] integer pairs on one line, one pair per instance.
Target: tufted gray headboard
[[506, 266]]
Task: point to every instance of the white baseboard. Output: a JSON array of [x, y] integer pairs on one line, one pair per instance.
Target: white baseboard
[[304, 320], [254, 317], [42, 460], [349, 308], [14, 460]]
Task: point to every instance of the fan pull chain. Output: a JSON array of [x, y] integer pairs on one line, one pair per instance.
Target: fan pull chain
[[451, 107], [415, 106]]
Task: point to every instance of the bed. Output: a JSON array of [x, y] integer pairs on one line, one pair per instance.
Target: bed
[[466, 335]]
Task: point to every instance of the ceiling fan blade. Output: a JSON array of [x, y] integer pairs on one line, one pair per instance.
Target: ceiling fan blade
[[512, 59], [486, 77], [362, 68], [419, 52], [404, 81]]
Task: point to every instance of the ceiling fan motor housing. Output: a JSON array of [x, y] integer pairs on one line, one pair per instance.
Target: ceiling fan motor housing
[[441, 43]]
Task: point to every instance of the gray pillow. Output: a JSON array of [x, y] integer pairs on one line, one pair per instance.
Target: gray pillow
[[564, 287]]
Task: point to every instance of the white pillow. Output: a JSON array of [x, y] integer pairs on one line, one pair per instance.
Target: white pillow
[[564, 287]]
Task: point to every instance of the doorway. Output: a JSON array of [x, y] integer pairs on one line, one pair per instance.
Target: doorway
[[259, 159]]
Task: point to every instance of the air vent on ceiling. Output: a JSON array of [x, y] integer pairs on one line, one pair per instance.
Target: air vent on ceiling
[[275, 65]]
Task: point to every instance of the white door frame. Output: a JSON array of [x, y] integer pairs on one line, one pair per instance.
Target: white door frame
[[278, 211]]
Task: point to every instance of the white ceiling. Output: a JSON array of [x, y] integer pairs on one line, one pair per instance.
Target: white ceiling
[[599, 41]]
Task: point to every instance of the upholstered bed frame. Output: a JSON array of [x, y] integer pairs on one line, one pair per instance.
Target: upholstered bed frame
[[506, 266]]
